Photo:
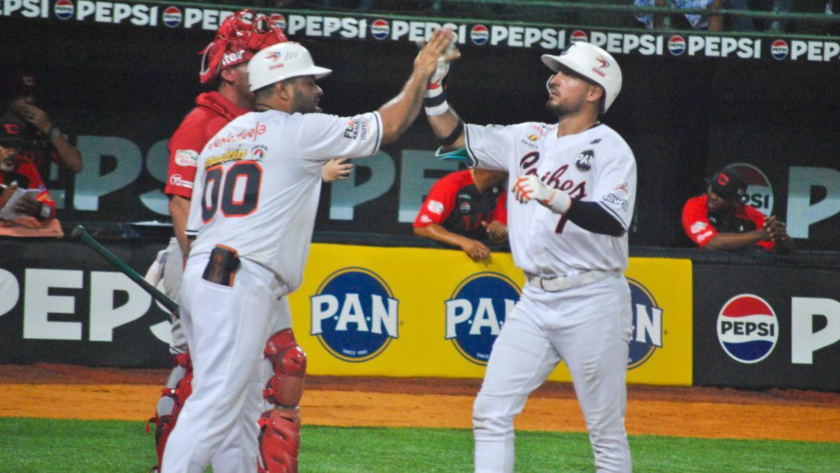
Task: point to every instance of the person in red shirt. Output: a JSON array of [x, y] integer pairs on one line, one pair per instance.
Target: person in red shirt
[[465, 207], [719, 220], [26, 208]]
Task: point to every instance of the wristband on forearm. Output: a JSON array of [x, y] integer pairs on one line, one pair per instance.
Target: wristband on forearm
[[434, 100]]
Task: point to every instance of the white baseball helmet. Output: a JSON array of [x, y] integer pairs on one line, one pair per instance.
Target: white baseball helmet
[[280, 62], [591, 62]]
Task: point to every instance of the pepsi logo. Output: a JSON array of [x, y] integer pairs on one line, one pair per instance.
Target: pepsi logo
[[759, 189], [172, 17], [479, 34], [476, 313], [676, 45], [278, 20], [779, 49], [64, 9], [380, 29], [465, 207], [354, 315], [647, 325], [579, 35], [747, 328]]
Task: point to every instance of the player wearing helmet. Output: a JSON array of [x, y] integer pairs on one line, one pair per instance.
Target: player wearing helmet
[[251, 247], [224, 64], [575, 187]]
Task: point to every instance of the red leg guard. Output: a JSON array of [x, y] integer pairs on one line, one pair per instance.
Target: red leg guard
[[287, 358], [165, 423], [280, 427], [279, 441]]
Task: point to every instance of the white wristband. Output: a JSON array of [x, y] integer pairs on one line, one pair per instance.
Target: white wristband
[[437, 110]]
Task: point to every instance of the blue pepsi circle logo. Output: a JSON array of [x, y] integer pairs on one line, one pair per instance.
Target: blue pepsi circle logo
[[64, 9], [476, 313], [779, 49], [579, 35], [354, 315], [479, 34], [380, 29], [747, 328], [172, 17], [647, 325], [465, 207], [676, 45]]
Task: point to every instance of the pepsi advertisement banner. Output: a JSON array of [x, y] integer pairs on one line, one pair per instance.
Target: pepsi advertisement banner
[[303, 25], [767, 327], [403, 312]]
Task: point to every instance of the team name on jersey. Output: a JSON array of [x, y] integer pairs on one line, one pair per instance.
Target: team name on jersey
[[251, 134], [528, 164]]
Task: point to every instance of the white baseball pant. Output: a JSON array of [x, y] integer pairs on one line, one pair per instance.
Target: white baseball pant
[[227, 329], [590, 328]]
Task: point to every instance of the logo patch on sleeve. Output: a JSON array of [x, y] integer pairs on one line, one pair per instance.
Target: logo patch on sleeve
[[435, 207], [186, 158]]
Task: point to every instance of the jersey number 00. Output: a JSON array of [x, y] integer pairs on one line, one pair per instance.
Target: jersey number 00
[[239, 189]]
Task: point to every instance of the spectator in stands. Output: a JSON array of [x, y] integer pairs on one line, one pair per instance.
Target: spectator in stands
[[43, 141], [712, 22], [720, 220], [465, 208], [26, 208]]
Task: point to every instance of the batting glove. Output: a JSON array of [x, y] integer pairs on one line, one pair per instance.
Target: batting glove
[[528, 188], [434, 99]]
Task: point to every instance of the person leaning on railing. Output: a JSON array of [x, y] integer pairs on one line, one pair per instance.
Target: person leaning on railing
[[712, 22]]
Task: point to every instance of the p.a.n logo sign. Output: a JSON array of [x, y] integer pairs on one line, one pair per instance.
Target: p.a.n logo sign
[[476, 313], [647, 325], [354, 314]]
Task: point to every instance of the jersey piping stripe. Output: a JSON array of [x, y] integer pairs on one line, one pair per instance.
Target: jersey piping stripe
[[473, 160], [620, 220], [378, 132]]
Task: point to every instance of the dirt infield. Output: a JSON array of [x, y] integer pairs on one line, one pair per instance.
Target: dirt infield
[[70, 392]]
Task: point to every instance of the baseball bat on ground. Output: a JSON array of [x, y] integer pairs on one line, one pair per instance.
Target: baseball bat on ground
[[80, 233]]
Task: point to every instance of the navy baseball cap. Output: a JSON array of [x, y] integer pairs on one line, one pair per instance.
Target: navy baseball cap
[[20, 82], [728, 184], [11, 132]]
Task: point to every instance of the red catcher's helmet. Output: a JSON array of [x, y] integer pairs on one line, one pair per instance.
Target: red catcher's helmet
[[240, 36]]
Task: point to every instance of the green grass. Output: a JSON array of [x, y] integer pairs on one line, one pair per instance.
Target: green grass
[[58, 446]]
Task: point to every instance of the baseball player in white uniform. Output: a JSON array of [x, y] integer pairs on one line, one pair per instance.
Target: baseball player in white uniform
[[575, 187], [256, 195]]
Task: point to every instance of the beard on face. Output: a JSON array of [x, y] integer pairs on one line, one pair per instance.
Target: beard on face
[[563, 109], [305, 104]]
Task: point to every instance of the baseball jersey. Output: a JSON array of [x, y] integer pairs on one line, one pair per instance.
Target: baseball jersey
[[258, 182], [456, 204], [212, 112], [595, 165], [701, 226]]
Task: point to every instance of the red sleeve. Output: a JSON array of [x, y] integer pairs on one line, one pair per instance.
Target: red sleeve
[[758, 219], [500, 213], [438, 205], [185, 146], [35, 182], [695, 221]]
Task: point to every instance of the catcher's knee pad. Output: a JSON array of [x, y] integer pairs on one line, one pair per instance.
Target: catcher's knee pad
[[288, 360], [279, 441], [178, 390]]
